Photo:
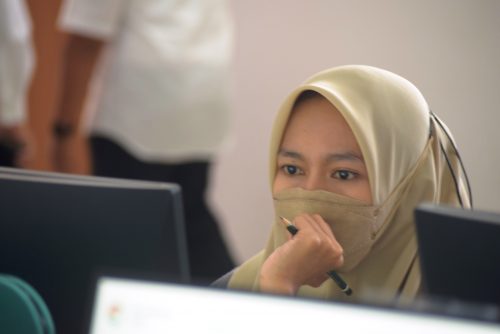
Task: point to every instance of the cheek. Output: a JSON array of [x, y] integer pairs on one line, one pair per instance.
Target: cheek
[[362, 192], [280, 183], [277, 185], [367, 196]]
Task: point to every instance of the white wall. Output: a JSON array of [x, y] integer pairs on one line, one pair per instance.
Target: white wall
[[450, 49]]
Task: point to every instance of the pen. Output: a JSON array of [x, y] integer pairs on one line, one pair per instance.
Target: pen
[[332, 274]]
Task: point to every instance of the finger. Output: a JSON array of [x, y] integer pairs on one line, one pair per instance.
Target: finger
[[316, 281], [325, 227], [320, 222], [338, 251], [340, 260], [304, 222]]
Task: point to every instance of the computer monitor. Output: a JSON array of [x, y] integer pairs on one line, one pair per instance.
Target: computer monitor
[[132, 306], [58, 231], [459, 254]]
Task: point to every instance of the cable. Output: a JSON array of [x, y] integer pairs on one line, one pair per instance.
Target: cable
[[452, 172]]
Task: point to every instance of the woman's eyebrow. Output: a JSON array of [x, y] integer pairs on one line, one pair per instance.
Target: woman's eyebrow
[[333, 157], [343, 156], [290, 154]]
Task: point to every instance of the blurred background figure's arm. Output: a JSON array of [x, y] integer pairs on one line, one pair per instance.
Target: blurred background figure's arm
[[79, 60], [90, 25], [16, 67]]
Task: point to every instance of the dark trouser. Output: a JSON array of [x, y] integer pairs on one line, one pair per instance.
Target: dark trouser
[[208, 255]]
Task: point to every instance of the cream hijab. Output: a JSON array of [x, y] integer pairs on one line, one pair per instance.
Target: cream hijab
[[403, 148]]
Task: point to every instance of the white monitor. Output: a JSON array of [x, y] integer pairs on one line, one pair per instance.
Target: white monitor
[[129, 306]]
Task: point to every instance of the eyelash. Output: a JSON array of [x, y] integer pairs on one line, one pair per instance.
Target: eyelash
[[285, 168], [351, 174]]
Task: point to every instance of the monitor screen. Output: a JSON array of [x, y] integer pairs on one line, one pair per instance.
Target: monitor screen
[[130, 306], [58, 231], [459, 253]]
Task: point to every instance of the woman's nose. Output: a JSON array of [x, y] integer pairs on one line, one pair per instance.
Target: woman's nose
[[314, 181]]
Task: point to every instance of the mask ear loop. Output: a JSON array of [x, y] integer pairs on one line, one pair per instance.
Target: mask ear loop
[[452, 172]]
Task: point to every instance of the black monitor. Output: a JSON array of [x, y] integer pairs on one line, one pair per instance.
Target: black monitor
[[459, 254], [59, 231]]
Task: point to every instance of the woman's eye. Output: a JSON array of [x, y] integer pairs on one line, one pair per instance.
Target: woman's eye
[[291, 170], [344, 175]]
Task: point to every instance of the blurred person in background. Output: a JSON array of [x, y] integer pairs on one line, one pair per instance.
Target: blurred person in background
[[16, 67], [159, 73]]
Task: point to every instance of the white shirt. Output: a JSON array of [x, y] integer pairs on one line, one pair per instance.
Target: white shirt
[[16, 61], [164, 93]]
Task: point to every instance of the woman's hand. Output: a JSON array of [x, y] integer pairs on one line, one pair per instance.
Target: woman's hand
[[304, 259]]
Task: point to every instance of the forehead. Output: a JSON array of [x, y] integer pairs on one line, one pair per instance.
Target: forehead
[[317, 121]]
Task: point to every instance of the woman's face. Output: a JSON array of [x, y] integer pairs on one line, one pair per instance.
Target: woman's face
[[319, 152]]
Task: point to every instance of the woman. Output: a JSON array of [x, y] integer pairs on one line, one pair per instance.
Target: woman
[[354, 150]]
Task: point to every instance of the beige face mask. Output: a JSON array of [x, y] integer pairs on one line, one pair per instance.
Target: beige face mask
[[354, 224]]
